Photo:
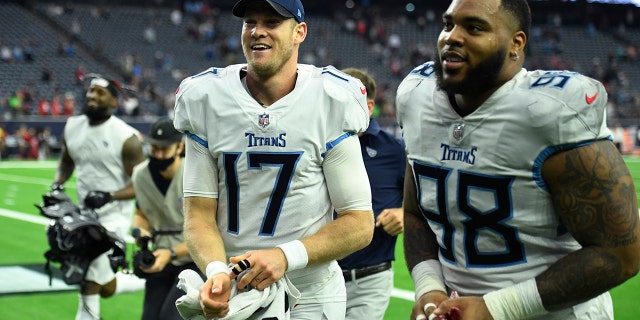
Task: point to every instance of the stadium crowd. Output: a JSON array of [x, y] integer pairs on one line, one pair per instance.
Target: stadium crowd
[[390, 36], [103, 72]]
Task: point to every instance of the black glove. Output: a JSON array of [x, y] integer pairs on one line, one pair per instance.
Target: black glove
[[97, 199], [57, 187]]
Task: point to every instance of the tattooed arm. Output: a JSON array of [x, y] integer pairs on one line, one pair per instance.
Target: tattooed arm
[[594, 195]]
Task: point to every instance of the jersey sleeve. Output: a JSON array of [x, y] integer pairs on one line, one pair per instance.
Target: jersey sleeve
[[201, 173], [570, 108], [350, 97], [406, 88], [190, 115], [346, 175]]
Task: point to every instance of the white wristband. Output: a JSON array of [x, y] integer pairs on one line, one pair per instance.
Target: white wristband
[[427, 276], [516, 302], [296, 254], [215, 267]]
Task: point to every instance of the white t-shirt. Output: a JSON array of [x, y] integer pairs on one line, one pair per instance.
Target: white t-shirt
[[97, 154]]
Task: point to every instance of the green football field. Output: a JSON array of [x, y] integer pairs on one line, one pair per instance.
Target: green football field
[[25, 292]]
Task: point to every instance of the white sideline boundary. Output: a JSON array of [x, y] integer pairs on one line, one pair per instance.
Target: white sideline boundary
[[395, 292], [13, 281]]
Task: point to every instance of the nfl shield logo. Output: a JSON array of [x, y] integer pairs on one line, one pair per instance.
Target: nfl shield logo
[[458, 132], [263, 120]]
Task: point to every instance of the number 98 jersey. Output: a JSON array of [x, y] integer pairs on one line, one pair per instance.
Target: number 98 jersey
[[479, 176]]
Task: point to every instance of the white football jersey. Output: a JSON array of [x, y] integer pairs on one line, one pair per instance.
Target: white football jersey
[[268, 160], [97, 154], [479, 176]]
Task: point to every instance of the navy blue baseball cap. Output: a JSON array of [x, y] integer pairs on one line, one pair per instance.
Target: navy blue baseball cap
[[286, 8], [163, 133]]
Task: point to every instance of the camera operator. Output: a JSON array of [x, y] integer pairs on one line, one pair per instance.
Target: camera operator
[[158, 219]]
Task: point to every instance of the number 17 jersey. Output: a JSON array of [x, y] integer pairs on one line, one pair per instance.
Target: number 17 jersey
[[268, 161]]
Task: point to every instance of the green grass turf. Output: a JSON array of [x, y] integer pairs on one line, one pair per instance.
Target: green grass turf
[[23, 183]]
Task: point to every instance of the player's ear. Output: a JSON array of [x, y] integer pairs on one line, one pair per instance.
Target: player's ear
[[518, 41], [300, 32], [371, 104]]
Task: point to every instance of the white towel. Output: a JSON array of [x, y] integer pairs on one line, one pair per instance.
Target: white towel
[[274, 302]]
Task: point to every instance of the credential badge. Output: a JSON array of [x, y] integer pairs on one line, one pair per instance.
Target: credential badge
[[458, 132], [263, 120]]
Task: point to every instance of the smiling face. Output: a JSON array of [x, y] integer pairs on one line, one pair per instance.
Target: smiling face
[[474, 46], [269, 40], [99, 103]]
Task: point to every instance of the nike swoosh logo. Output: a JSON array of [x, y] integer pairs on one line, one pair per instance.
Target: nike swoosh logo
[[591, 99], [363, 90]]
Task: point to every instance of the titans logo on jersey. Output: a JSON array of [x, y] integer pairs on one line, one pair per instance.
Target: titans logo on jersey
[[274, 141], [478, 176]]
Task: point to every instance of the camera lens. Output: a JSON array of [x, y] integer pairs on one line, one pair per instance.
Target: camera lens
[[148, 259]]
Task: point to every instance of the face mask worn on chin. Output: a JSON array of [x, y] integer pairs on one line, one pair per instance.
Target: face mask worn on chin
[[97, 114], [159, 165]]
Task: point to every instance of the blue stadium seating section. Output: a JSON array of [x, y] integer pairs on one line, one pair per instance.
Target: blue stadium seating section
[[123, 31]]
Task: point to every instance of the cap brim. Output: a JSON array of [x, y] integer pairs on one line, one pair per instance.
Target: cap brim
[[156, 142]]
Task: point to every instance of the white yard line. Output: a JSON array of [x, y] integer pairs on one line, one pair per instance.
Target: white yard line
[[23, 179], [24, 217], [11, 164]]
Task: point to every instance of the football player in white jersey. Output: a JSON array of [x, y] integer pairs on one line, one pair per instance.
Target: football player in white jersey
[[272, 149], [515, 196], [102, 150]]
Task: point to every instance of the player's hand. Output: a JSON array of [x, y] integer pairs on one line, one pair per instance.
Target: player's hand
[[266, 267], [97, 199], [214, 296], [391, 220], [419, 312], [464, 308]]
